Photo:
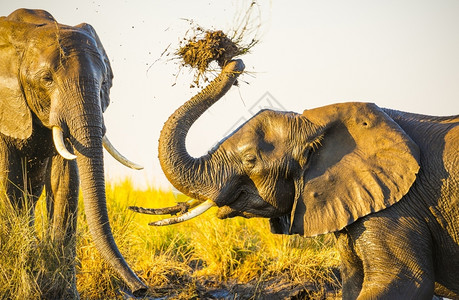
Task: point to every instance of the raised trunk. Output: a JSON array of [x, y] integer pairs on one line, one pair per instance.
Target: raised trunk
[[86, 130], [186, 173]]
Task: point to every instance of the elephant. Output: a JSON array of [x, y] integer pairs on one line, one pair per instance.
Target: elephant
[[54, 87], [385, 182]]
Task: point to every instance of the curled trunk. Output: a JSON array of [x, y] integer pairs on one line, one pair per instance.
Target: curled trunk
[[187, 173]]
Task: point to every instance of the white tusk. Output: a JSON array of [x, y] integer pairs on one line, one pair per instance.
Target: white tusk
[[198, 210], [58, 138], [118, 156]]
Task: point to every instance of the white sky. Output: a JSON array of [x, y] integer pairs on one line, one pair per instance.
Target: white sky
[[399, 54]]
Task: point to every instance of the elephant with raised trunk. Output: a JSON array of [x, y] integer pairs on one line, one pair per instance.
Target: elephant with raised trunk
[[54, 86], [384, 181]]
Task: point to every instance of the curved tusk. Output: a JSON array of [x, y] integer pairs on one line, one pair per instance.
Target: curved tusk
[[181, 207], [118, 156], [198, 210], [58, 138]]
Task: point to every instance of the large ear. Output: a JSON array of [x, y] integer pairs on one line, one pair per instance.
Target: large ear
[[364, 163], [105, 93], [15, 115]]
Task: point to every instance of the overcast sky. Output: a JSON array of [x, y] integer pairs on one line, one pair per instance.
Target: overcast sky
[[398, 54]]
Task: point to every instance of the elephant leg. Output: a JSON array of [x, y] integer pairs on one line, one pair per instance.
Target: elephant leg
[[34, 174], [351, 266], [14, 180], [21, 178], [397, 256], [390, 290], [386, 277], [62, 186], [5, 157], [27, 185]]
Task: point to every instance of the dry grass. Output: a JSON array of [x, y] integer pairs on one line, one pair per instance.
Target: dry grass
[[183, 261], [31, 265]]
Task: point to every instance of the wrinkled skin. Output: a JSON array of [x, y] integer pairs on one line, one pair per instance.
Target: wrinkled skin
[[53, 75], [385, 182]]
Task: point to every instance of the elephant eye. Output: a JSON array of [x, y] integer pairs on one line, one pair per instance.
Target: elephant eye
[[47, 78], [249, 160]]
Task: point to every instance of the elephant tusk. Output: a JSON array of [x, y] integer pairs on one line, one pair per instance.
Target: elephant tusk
[[58, 138], [198, 210], [118, 156], [180, 208]]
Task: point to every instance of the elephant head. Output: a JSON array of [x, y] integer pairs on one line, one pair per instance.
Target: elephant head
[[311, 173], [58, 77]]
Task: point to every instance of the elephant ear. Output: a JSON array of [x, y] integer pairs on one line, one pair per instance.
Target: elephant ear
[[363, 163], [15, 115], [105, 91]]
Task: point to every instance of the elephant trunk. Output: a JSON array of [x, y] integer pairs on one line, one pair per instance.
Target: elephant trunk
[[186, 173], [85, 127]]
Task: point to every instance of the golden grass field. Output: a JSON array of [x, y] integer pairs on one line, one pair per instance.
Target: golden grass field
[[205, 258]]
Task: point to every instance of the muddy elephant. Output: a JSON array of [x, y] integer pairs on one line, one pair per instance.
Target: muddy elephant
[[384, 181], [54, 87]]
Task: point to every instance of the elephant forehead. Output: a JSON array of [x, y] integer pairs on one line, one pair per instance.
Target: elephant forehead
[[261, 139], [269, 126], [77, 39], [267, 131], [61, 39], [74, 52]]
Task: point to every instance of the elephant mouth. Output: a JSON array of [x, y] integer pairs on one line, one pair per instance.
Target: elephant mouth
[[226, 212], [236, 207]]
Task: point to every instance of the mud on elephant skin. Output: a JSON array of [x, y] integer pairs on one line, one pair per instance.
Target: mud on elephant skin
[[384, 181], [55, 82]]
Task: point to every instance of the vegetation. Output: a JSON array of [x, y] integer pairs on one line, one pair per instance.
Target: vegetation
[[203, 258]]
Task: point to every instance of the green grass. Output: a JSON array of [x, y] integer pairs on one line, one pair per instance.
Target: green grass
[[181, 261]]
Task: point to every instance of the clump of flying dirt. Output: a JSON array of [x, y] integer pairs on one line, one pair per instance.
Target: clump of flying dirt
[[200, 47], [201, 50]]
